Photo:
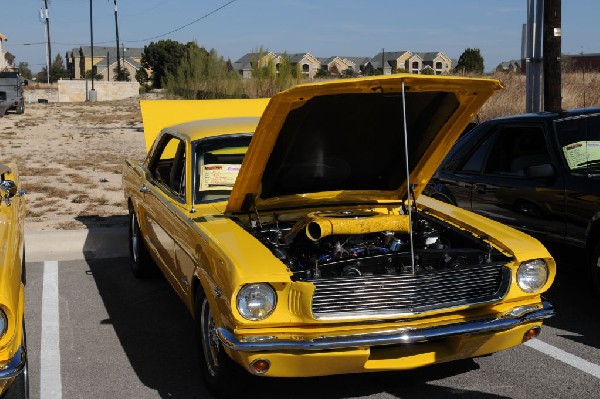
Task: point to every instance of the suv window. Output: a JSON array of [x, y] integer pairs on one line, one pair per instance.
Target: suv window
[[516, 148], [168, 166], [579, 139]]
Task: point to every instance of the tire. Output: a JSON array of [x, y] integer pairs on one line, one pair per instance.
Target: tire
[[142, 264], [594, 270], [19, 389], [223, 377], [21, 108]]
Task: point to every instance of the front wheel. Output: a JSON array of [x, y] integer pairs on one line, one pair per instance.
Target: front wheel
[[594, 270], [21, 108], [222, 375], [141, 262]]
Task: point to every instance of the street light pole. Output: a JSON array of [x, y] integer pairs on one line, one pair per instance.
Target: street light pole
[[48, 38], [552, 49], [119, 74], [92, 92]]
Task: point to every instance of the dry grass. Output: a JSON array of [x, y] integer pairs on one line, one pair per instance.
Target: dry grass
[[578, 91]]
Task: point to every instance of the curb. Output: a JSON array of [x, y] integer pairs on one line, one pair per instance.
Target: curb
[[94, 243]]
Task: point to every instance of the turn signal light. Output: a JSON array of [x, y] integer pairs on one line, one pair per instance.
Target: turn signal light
[[532, 333], [260, 366]]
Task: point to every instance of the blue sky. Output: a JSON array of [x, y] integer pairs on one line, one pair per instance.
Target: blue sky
[[322, 28]]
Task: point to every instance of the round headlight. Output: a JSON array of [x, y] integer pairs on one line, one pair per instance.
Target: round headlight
[[532, 275], [256, 301], [3, 323]]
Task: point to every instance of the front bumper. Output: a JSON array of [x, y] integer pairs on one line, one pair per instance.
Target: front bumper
[[14, 366], [389, 337]]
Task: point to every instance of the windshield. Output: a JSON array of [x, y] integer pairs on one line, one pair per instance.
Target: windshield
[[217, 164], [579, 139]]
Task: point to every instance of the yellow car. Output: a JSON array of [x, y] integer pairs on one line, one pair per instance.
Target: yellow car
[[318, 254], [14, 381]]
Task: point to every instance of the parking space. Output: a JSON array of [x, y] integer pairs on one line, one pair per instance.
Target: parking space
[[118, 337]]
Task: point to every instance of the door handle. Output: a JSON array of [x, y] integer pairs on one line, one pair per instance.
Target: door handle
[[480, 188], [143, 189]]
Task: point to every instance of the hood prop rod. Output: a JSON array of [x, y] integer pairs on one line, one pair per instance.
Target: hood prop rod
[[408, 188]]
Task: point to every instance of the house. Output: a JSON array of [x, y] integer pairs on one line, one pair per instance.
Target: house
[[388, 62], [6, 58], [339, 65], [512, 66], [306, 63], [438, 62], [79, 61]]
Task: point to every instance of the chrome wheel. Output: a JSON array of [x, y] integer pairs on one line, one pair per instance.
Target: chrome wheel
[[135, 239], [210, 341]]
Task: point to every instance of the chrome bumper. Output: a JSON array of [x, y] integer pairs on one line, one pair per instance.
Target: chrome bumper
[[14, 366], [390, 337]]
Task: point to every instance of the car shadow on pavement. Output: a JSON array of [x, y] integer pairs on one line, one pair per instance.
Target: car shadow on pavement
[[577, 310], [156, 333]]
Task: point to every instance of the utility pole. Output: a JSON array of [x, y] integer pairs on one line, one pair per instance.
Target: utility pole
[[552, 49], [92, 96], [119, 73], [48, 39]]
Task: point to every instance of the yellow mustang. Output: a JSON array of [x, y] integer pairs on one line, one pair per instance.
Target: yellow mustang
[[318, 254], [14, 381]]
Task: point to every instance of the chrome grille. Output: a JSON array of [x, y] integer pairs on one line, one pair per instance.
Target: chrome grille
[[343, 297]]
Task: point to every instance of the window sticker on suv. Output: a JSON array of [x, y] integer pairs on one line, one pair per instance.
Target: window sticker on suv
[[582, 153]]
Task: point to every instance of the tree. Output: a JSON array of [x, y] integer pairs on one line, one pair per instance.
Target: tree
[[142, 77], [125, 75], [203, 74], [163, 58], [57, 69], [470, 61], [97, 76], [24, 70]]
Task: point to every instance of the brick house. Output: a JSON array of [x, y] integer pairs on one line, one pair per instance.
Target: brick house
[[79, 60], [306, 63]]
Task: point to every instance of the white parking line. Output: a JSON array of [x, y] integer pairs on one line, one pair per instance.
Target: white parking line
[[565, 357], [50, 381]]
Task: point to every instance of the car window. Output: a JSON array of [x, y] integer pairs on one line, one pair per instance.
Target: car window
[[217, 163], [474, 163], [579, 139], [515, 149], [168, 166]]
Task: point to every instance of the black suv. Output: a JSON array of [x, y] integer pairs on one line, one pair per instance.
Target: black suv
[[539, 173]]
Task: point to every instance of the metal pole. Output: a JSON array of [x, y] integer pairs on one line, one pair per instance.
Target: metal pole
[[48, 38], [108, 66], [552, 49], [537, 57], [92, 91], [528, 56], [119, 74]]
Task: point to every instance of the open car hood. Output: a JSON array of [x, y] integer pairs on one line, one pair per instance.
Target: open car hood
[[343, 142]]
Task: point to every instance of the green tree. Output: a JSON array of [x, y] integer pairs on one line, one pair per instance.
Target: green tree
[[125, 75], [142, 77], [163, 58], [58, 70], [470, 61], [24, 70], [97, 76], [203, 74]]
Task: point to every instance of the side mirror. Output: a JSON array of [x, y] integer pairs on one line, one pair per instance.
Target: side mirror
[[24, 82], [544, 171]]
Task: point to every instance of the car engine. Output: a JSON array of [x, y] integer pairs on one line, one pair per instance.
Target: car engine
[[350, 249]]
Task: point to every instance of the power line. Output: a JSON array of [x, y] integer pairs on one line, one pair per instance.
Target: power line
[[184, 26]]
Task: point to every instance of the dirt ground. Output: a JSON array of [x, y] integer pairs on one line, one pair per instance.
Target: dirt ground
[[70, 158]]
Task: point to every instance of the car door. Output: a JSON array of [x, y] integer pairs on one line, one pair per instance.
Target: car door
[[506, 191], [165, 203]]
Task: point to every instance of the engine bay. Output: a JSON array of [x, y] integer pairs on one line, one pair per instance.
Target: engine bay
[[353, 244]]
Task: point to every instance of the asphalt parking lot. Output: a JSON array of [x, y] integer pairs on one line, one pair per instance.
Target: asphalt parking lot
[[96, 331]]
